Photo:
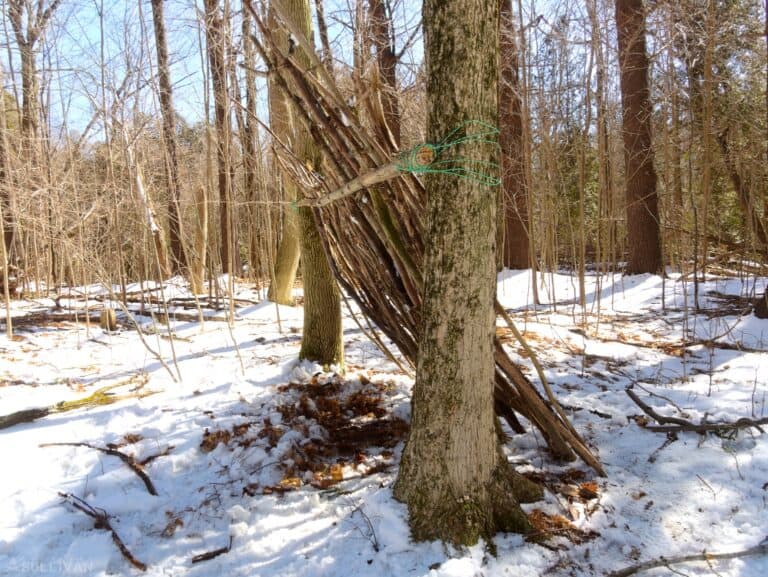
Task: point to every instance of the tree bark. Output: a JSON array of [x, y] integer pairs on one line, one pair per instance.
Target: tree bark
[[178, 255], [252, 159], [516, 247], [216, 40], [322, 335], [6, 190], [386, 63], [643, 236], [288, 249], [453, 477]]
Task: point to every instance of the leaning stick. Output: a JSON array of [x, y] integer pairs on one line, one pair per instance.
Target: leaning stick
[[375, 176]]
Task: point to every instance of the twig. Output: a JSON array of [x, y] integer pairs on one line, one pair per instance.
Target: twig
[[676, 424], [370, 532], [127, 459], [151, 458], [760, 549], [212, 554], [101, 521]]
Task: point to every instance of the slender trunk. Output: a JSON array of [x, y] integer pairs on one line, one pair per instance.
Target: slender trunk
[[178, 256], [386, 62], [515, 250], [145, 202], [322, 26], [197, 262], [746, 202], [29, 109], [6, 189], [643, 238], [706, 134], [322, 336], [215, 34], [453, 477], [251, 153]]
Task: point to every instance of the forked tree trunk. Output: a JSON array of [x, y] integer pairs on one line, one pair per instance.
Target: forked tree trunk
[[216, 40], [178, 255], [643, 237], [322, 335], [288, 249], [453, 477], [515, 250]]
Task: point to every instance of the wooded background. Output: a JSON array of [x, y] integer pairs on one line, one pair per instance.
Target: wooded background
[[103, 179]]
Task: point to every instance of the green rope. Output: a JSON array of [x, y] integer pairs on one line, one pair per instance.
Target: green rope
[[435, 158]]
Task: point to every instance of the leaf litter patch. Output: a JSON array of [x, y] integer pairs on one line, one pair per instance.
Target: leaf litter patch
[[323, 430]]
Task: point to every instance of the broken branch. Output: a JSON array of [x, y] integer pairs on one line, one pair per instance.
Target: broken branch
[[213, 554], [101, 521], [760, 549], [676, 424], [127, 459]]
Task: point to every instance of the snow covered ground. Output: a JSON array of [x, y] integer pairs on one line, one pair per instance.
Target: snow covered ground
[[294, 468]]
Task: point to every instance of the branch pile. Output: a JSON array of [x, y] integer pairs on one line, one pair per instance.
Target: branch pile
[[373, 236]]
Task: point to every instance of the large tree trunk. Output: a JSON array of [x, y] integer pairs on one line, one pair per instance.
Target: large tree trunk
[[216, 40], [515, 251], [178, 256], [643, 238], [453, 478]]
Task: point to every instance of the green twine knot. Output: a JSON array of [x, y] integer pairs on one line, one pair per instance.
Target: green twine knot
[[435, 158]]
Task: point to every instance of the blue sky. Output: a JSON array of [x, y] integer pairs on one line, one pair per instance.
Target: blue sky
[[71, 59]]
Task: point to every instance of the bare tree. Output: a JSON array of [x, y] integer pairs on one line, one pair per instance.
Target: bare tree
[[286, 262], [216, 39], [516, 247], [382, 35], [178, 256], [29, 20], [643, 236]]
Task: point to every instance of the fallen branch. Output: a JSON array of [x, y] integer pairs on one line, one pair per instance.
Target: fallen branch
[[25, 416], [101, 521], [760, 549], [96, 399], [213, 554], [676, 424], [127, 459]]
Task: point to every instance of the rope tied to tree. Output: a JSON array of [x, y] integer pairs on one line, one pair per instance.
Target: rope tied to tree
[[435, 157]]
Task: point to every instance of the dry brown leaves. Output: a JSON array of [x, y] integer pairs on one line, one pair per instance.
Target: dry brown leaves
[[546, 527]]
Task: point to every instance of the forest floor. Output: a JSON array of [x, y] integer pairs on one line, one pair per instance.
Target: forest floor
[[266, 467]]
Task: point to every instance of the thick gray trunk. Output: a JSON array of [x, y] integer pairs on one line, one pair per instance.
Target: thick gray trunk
[[452, 476]]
